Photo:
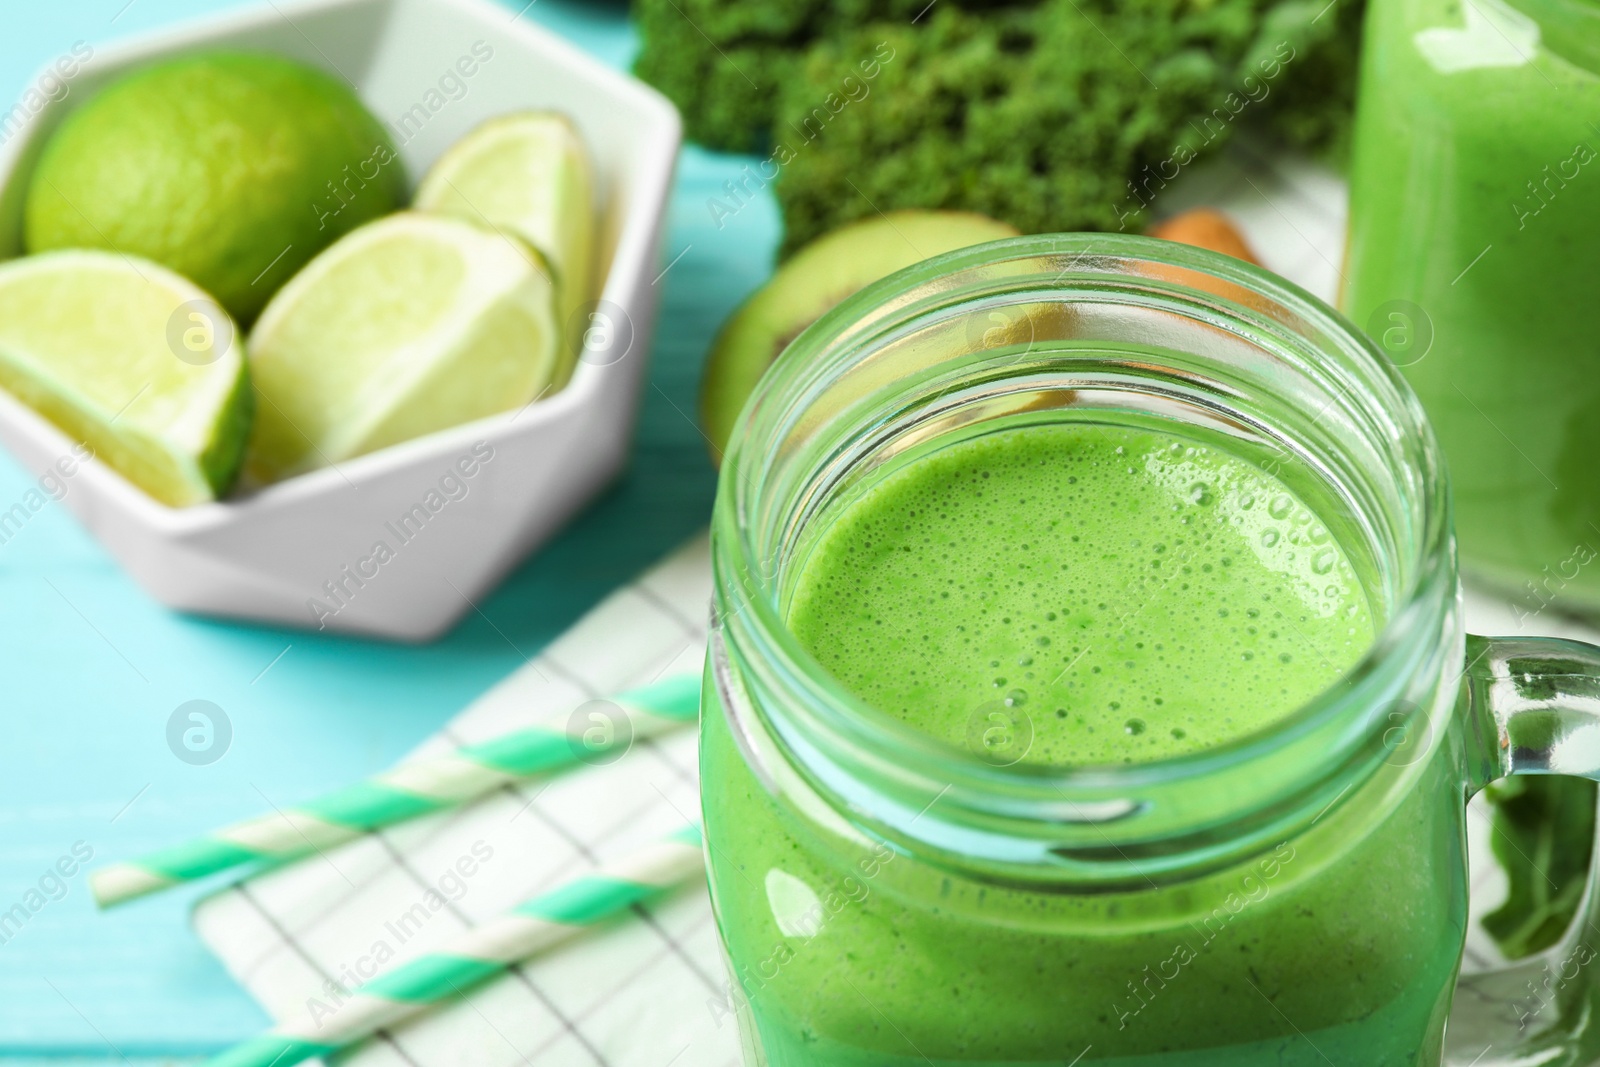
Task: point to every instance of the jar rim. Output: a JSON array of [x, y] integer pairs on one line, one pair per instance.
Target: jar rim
[[748, 597]]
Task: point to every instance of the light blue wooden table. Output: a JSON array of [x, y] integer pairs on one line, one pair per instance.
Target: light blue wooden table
[[91, 668]]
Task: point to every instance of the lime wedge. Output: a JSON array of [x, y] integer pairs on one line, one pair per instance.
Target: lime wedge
[[527, 174], [133, 360], [408, 325]]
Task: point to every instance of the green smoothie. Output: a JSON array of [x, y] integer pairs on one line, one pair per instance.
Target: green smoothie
[[1107, 594], [1474, 245], [1132, 595]]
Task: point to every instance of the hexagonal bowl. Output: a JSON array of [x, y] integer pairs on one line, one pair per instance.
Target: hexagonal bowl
[[452, 511]]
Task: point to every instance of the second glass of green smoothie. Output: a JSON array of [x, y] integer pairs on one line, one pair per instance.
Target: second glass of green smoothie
[[1089, 685], [1474, 249]]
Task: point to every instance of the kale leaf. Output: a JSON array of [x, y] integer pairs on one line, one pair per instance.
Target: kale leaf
[[1543, 831]]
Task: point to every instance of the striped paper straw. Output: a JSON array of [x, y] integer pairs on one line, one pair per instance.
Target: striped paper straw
[[412, 789], [477, 955]]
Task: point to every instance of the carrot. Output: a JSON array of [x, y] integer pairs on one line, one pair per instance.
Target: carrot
[[1206, 228]]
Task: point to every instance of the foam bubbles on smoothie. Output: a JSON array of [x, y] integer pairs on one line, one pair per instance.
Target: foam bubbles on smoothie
[[1133, 595]]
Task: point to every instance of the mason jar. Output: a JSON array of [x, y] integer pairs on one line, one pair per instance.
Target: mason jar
[[1474, 249], [1296, 896]]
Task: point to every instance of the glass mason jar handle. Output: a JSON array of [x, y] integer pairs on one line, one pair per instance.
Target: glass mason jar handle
[[1534, 708]]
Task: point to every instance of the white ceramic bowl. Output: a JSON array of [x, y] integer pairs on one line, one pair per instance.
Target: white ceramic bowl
[[303, 552]]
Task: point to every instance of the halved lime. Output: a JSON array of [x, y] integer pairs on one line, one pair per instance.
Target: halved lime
[[408, 325], [528, 174], [133, 360]]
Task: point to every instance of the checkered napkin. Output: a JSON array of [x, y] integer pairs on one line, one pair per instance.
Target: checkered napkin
[[643, 991]]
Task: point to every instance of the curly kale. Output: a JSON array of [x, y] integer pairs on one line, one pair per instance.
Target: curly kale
[[723, 62], [1034, 118], [1050, 114], [1312, 107]]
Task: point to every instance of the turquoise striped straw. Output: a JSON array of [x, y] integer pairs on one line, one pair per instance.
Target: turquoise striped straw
[[412, 789], [479, 954]]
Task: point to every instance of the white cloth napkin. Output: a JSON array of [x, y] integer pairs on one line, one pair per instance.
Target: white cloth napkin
[[647, 990]]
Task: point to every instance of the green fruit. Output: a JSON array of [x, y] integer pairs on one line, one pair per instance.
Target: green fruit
[[133, 360], [527, 174], [231, 168], [816, 278], [411, 324]]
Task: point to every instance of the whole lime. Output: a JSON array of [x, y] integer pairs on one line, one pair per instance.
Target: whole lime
[[231, 168]]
